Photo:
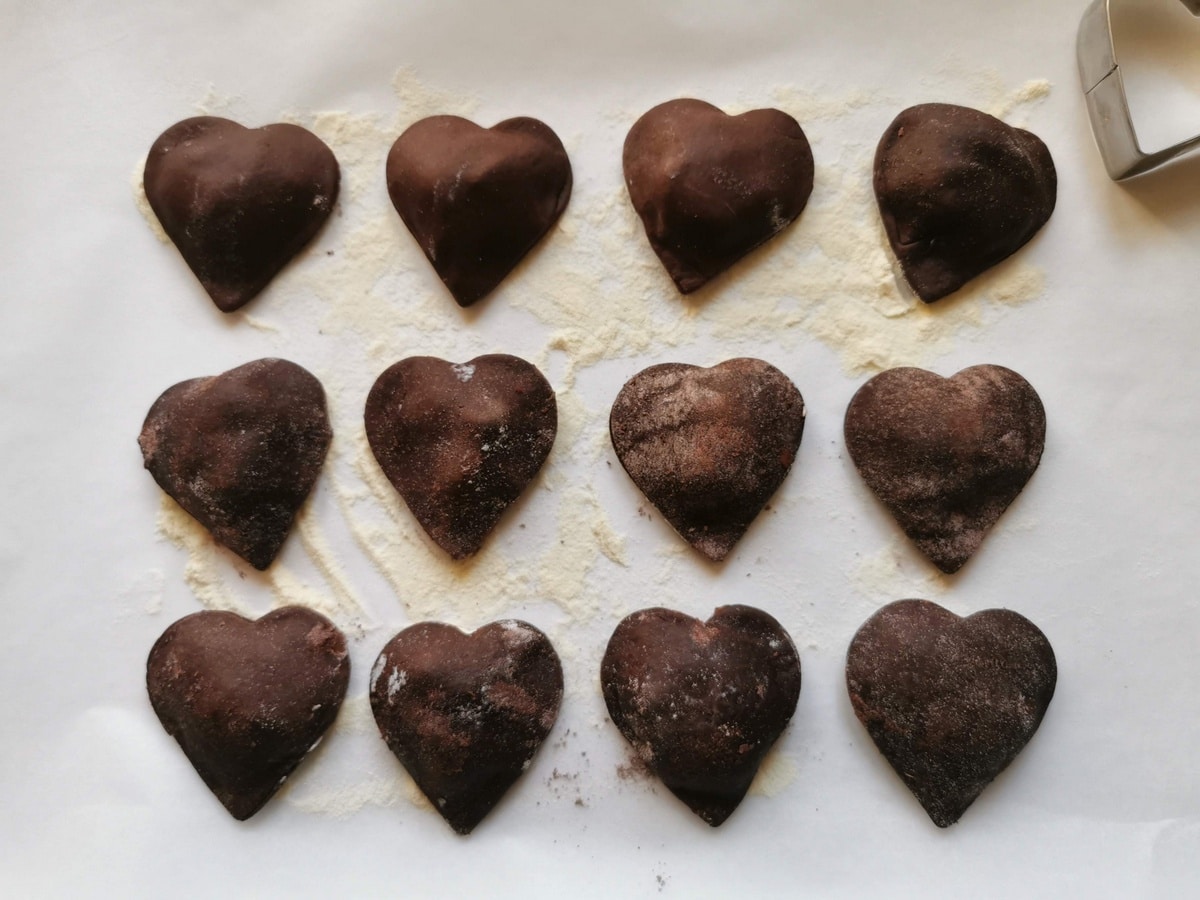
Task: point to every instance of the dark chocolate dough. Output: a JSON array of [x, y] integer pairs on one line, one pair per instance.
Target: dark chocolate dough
[[946, 456], [708, 447], [477, 199], [702, 702], [240, 451], [948, 701], [465, 714], [239, 203], [959, 191], [710, 187], [246, 700], [460, 442]]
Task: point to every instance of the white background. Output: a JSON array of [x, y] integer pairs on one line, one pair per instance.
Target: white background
[[1100, 550]]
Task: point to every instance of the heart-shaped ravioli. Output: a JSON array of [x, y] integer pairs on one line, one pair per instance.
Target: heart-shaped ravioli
[[465, 713], [460, 442], [708, 447], [959, 191], [949, 701], [710, 187], [246, 700], [239, 203], [702, 702], [946, 455], [478, 199], [240, 451]]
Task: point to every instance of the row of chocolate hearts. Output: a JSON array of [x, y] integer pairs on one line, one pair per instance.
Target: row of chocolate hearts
[[708, 447], [949, 701], [958, 191]]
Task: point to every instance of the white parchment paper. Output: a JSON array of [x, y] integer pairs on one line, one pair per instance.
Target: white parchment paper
[[98, 317]]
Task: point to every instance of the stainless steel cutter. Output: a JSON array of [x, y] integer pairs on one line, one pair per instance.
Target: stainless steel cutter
[[1107, 104]]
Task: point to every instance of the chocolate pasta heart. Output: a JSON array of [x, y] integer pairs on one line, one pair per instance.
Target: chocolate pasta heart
[[708, 447], [959, 191], [477, 199], [710, 187], [465, 713], [702, 702], [247, 700], [460, 442], [239, 203], [946, 456], [949, 701], [240, 451]]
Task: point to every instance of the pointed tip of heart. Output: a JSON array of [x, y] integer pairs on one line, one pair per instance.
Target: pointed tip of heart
[[715, 803], [229, 298], [714, 547], [950, 561], [689, 282], [463, 814], [713, 814], [943, 811], [245, 806]]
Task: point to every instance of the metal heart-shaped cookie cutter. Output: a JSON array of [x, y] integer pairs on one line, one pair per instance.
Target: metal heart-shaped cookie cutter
[[1108, 107]]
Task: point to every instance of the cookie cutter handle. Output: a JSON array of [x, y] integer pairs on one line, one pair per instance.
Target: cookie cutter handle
[[1107, 102]]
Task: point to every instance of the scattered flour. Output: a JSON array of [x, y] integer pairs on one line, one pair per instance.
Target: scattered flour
[[144, 595], [203, 572], [340, 800], [342, 791], [775, 774], [208, 572], [892, 573]]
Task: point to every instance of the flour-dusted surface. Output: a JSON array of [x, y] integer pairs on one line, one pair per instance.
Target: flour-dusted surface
[[1096, 311]]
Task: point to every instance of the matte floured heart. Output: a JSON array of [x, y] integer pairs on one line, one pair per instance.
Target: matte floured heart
[[239, 203], [702, 702], [959, 191], [946, 456], [949, 701], [460, 442], [708, 447], [710, 187], [247, 700], [478, 199], [465, 714], [240, 451]]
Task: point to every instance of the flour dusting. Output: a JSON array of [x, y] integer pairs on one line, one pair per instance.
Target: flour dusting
[[897, 571], [203, 572], [777, 772]]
